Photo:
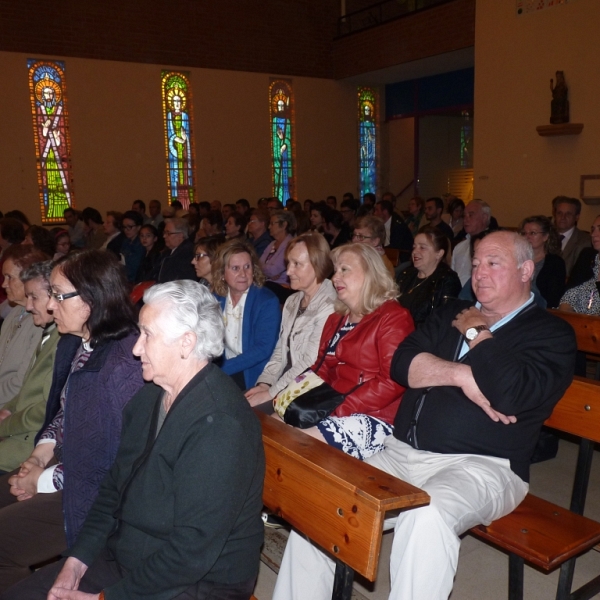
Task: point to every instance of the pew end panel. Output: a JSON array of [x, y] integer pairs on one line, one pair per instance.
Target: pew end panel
[[338, 501]]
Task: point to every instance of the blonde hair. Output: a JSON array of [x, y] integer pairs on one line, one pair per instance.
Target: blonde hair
[[379, 287], [224, 254]]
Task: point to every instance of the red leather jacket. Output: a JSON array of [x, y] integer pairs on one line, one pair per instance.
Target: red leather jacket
[[366, 352]]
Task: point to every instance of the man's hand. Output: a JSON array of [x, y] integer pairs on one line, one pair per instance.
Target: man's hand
[[474, 394], [67, 581], [470, 317]]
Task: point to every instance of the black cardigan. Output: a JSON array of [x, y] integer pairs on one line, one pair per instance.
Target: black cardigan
[[523, 371], [184, 506]]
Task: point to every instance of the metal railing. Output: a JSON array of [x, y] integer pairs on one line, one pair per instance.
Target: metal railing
[[382, 12]]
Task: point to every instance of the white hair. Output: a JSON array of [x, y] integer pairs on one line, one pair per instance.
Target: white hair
[[190, 307]]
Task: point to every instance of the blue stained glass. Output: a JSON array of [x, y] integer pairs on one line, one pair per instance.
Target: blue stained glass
[[367, 135]]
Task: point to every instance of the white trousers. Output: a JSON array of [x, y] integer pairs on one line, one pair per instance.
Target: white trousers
[[465, 490]]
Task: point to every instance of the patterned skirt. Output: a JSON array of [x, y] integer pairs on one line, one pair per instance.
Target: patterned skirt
[[358, 435]]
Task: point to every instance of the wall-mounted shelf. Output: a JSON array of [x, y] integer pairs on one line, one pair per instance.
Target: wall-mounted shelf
[[562, 129]]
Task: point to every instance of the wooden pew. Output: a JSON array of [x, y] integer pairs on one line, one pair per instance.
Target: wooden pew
[[544, 534], [337, 501], [587, 330]]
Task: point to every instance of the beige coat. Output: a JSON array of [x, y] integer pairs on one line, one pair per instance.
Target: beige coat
[[304, 333]]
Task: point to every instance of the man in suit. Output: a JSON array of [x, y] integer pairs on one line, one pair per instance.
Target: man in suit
[[397, 234], [566, 213], [178, 253]]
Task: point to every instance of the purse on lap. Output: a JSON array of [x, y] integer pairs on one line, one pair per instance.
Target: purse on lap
[[307, 400]]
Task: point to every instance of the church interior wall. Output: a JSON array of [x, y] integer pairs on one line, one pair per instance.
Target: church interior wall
[[117, 142], [517, 171]]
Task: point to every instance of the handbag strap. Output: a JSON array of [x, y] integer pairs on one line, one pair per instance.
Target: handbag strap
[[325, 353]]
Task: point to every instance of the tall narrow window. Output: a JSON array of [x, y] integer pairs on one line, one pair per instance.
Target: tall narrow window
[[367, 140], [179, 141], [51, 133], [282, 139], [466, 140]]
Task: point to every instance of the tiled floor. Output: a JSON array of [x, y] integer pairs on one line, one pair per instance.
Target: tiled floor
[[482, 570]]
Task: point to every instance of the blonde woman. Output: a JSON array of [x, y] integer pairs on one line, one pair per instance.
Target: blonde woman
[[357, 345]]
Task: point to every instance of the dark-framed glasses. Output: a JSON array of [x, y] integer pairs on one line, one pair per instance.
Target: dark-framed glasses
[[60, 297], [360, 237], [200, 256]]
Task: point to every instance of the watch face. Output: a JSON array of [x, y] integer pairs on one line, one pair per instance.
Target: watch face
[[471, 333]]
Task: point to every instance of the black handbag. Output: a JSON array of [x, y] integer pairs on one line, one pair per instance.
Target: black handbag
[[310, 408]]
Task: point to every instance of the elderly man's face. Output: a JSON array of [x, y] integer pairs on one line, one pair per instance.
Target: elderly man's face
[[498, 283], [156, 353], [475, 220], [173, 238]]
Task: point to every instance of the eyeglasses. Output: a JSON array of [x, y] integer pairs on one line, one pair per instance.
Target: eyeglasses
[[60, 297], [530, 233], [129, 227], [169, 233], [200, 255], [361, 238]]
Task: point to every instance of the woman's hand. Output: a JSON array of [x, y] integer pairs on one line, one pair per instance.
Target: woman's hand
[[23, 485], [67, 581], [42, 454], [258, 394]]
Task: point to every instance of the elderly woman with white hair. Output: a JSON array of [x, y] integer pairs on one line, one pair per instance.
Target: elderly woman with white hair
[[178, 515]]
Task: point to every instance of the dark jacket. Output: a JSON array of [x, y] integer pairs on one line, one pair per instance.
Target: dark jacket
[[400, 237], [177, 264], [115, 244], [260, 331], [260, 244], [96, 395], [185, 506], [365, 354], [150, 265], [579, 240], [133, 252], [523, 371], [421, 296], [551, 280]]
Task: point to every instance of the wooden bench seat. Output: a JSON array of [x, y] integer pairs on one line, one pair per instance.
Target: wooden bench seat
[[337, 501], [542, 533]]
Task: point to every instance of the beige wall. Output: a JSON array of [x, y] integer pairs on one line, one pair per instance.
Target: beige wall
[[516, 170], [117, 143], [401, 153]]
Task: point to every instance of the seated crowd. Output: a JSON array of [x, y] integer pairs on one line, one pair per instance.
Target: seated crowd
[[428, 326]]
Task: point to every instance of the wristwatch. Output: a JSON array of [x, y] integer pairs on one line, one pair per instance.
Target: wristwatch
[[473, 332]]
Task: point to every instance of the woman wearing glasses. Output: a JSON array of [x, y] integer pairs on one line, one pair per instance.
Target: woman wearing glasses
[[370, 230], [204, 254], [50, 495], [550, 273]]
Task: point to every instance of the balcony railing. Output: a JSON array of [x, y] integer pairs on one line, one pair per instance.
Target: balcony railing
[[382, 12]]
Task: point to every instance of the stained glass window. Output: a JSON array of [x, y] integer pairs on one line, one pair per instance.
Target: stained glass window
[[179, 141], [281, 105], [466, 141], [367, 140], [47, 91]]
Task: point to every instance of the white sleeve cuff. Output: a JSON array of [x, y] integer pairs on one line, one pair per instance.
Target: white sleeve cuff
[[45, 484], [46, 441]]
